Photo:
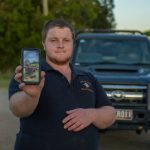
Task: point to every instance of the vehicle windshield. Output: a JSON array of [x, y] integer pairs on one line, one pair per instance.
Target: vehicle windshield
[[112, 51]]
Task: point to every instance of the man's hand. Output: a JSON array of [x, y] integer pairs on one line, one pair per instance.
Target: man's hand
[[31, 90], [78, 119], [23, 103]]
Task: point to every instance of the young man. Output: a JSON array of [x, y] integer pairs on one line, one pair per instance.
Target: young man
[[67, 108]]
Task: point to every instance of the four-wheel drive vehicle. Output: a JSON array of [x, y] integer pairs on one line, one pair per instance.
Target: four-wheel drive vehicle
[[120, 60]]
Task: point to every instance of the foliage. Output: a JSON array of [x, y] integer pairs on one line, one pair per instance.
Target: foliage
[[147, 33], [21, 22], [20, 28]]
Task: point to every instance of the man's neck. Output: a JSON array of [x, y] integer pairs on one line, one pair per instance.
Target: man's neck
[[62, 68]]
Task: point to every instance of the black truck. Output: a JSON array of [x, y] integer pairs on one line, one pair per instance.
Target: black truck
[[120, 60]]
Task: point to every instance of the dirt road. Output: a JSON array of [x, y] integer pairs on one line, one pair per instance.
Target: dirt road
[[112, 140]]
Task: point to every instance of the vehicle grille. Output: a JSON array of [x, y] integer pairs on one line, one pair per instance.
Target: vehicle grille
[[126, 93]]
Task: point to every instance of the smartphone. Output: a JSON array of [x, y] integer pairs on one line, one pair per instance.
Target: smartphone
[[30, 58]]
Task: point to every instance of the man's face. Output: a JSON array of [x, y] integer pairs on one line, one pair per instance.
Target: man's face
[[58, 45]]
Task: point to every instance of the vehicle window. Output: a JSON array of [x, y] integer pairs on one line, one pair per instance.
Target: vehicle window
[[121, 51]]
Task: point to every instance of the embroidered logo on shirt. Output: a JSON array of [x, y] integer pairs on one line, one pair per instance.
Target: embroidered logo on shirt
[[86, 86]]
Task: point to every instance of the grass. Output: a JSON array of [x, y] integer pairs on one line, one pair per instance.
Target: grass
[[5, 79]]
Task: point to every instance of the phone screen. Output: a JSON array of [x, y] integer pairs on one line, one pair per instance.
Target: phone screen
[[31, 65]]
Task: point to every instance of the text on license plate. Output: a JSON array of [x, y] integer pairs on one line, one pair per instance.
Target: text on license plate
[[124, 114]]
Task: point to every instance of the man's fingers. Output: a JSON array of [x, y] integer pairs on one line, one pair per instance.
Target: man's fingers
[[21, 85], [18, 73], [79, 128], [42, 74], [69, 117], [18, 77], [74, 126], [42, 82], [70, 123], [18, 69]]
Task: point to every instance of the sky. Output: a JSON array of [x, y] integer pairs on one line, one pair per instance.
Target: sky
[[132, 14]]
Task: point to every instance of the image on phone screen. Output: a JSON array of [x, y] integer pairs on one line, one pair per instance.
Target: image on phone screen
[[31, 66]]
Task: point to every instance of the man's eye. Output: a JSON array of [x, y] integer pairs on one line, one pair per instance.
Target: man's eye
[[52, 40], [66, 40]]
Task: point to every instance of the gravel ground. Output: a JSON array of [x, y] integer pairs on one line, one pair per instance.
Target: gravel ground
[[8, 123]]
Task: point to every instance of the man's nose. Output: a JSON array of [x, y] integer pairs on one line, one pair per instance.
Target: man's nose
[[60, 44]]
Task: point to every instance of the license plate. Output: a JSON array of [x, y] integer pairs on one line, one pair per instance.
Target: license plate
[[124, 114]]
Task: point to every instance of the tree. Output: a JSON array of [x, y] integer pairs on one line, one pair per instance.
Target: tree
[[84, 13], [21, 22], [45, 7], [20, 28], [147, 33], [105, 18]]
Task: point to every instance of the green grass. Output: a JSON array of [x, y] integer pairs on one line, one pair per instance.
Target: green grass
[[5, 79]]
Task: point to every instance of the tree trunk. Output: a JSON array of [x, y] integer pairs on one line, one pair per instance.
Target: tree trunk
[[45, 7]]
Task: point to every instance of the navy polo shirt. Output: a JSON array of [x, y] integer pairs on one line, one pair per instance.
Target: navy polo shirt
[[43, 130]]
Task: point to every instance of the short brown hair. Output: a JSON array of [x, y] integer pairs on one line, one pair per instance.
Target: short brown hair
[[56, 23]]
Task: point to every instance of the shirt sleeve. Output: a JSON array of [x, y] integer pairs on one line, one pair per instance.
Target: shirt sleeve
[[101, 96], [13, 87]]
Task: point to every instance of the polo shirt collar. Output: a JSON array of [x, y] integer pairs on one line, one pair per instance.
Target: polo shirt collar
[[75, 72], [45, 66]]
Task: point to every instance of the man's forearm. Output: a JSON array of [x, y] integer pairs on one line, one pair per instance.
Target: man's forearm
[[104, 117], [23, 105]]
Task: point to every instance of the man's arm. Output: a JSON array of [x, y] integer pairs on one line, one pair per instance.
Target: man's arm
[[103, 117], [24, 102], [23, 105], [78, 119]]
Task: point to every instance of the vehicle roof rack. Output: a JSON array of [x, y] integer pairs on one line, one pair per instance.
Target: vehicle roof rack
[[109, 31]]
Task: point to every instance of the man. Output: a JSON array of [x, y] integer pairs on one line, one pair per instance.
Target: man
[[68, 106]]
